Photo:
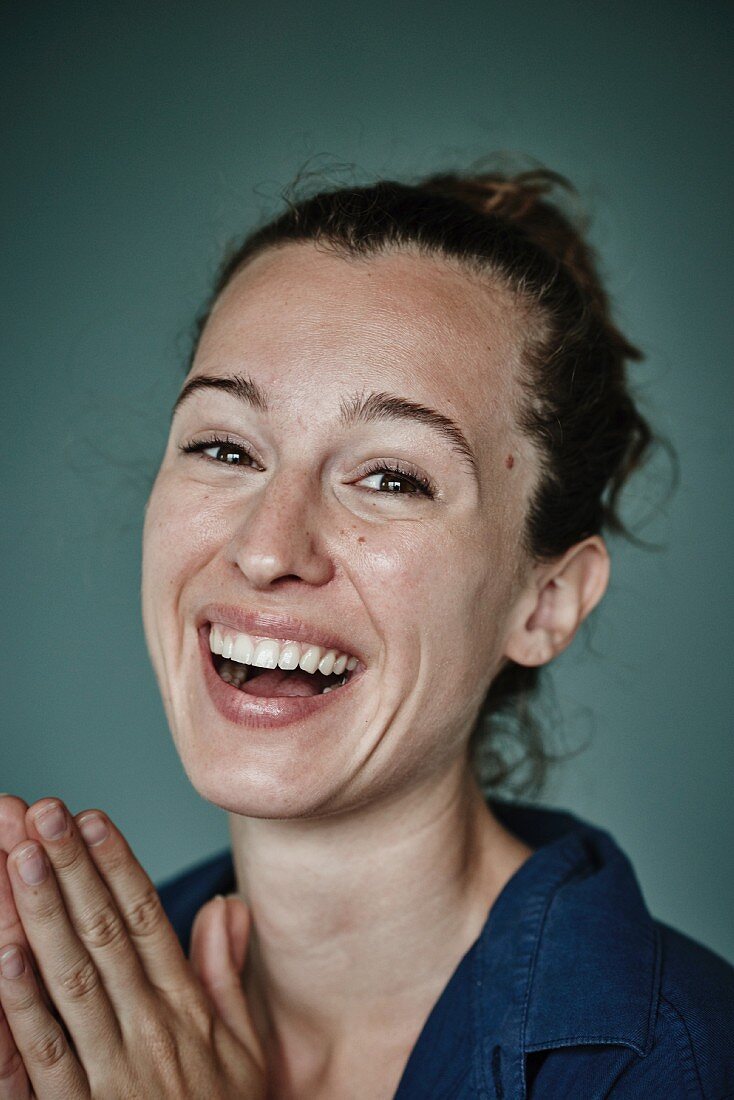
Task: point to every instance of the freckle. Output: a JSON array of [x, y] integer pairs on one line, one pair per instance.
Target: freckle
[[361, 539], [509, 462]]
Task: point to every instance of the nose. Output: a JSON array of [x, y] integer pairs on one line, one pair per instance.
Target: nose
[[279, 537]]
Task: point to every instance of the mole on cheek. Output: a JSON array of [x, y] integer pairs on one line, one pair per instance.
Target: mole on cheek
[[509, 462], [361, 539]]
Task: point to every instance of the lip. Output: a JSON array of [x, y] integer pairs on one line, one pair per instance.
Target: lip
[[283, 628], [261, 712]]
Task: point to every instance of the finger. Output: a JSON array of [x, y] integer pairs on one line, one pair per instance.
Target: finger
[[48, 1059], [68, 971], [14, 1082], [239, 920], [12, 832], [150, 930], [12, 821], [11, 928], [92, 919], [13, 1077], [12, 931], [213, 959]]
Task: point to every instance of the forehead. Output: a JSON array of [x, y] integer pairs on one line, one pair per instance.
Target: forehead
[[303, 321]]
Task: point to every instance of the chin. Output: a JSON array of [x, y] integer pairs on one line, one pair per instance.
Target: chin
[[270, 789]]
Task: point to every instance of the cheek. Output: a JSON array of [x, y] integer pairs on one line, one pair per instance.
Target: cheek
[[394, 573], [446, 600], [182, 531], [441, 595]]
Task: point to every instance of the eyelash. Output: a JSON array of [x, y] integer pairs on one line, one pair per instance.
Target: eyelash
[[421, 484], [216, 441]]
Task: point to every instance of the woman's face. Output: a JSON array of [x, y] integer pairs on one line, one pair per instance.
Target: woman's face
[[289, 519]]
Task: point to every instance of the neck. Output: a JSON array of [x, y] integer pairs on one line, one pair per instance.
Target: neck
[[359, 919]]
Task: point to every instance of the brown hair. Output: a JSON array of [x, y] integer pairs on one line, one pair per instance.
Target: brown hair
[[579, 411]]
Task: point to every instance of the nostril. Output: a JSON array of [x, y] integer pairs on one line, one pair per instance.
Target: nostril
[[279, 582]]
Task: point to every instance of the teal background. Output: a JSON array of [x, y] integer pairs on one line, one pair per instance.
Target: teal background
[[137, 139]]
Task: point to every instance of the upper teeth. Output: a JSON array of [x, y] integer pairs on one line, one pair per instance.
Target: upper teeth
[[246, 649]]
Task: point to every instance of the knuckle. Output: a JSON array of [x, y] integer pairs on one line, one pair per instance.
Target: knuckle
[[80, 981], [117, 857], [47, 1049], [144, 917], [101, 927], [196, 1008], [68, 856], [47, 907], [23, 1001]]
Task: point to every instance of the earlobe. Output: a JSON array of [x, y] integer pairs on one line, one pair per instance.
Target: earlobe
[[558, 598]]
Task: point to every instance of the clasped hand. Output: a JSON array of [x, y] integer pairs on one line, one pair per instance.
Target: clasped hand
[[97, 997]]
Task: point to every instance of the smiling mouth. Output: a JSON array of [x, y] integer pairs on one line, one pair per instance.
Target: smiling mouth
[[270, 669], [276, 683]]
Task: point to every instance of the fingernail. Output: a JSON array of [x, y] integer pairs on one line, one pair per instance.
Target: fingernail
[[11, 963], [31, 865], [93, 829], [51, 822]]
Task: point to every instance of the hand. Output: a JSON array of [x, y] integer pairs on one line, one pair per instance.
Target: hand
[[131, 1016], [13, 1077]]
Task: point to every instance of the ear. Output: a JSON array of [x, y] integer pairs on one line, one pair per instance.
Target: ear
[[556, 601]]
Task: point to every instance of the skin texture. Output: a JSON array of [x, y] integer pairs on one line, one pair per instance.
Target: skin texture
[[336, 821], [427, 591], [366, 857], [97, 997]]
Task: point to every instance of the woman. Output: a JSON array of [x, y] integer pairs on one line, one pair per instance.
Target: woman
[[329, 656]]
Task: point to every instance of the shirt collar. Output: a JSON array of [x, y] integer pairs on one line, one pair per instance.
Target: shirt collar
[[569, 954]]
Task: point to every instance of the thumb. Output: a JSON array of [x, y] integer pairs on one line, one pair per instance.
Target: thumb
[[219, 939]]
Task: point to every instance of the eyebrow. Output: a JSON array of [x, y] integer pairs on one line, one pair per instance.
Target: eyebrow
[[244, 389], [360, 408]]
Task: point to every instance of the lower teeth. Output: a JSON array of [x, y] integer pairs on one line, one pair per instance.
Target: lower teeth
[[236, 675]]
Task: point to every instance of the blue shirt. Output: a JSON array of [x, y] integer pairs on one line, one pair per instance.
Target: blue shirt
[[572, 991]]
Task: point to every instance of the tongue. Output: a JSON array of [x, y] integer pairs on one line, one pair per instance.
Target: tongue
[[276, 683]]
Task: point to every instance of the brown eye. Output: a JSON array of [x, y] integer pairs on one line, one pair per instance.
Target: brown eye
[[387, 479], [394, 483], [224, 451]]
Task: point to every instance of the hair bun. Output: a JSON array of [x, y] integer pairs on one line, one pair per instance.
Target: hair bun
[[507, 196]]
